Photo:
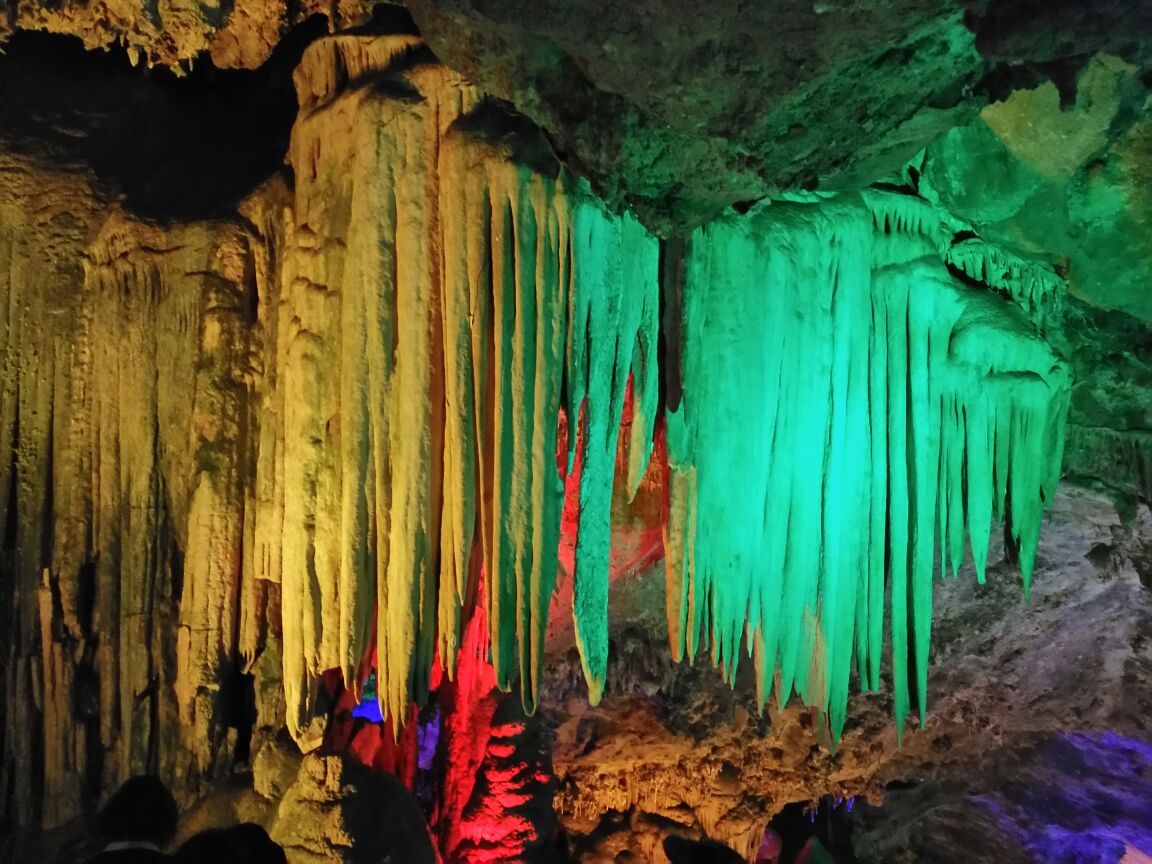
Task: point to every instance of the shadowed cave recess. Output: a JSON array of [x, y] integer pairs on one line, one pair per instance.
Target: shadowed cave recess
[[580, 432]]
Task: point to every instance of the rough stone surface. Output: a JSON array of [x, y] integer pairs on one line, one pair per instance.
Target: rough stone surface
[[674, 750], [1066, 185], [274, 769], [1079, 798], [340, 811], [680, 112], [140, 263], [1109, 446], [176, 33], [1070, 185]]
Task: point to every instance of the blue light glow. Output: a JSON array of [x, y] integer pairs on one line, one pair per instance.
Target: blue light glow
[[369, 708], [1088, 798]]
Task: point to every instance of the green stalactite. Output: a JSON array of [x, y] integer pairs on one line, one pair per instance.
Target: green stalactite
[[838, 389], [613, 320]]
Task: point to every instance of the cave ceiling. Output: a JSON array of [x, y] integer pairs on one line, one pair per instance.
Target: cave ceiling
[[671, 110], [1030, 123]]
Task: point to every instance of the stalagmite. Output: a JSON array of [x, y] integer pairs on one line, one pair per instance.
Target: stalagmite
[[872, 439]]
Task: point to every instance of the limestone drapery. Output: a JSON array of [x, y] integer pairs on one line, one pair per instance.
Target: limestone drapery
[[252, 441], [893, 405]]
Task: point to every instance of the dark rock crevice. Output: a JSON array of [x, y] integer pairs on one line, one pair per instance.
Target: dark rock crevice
[[172, 147]]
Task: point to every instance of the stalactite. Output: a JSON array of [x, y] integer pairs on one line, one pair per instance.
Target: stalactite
[[258, 442], [423, 343], [522, 527], [613, 323], [893, 405]]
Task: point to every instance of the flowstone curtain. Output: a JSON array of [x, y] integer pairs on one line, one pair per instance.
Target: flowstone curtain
[[848, 409]]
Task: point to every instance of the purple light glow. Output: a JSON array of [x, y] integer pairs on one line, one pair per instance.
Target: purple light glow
[[427, 738], [1083, 798]]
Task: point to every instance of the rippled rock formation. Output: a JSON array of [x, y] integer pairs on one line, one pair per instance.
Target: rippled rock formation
[[334, 386]]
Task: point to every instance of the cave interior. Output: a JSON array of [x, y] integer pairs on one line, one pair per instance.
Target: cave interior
[[539, 431]]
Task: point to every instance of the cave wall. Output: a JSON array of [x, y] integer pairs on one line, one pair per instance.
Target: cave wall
[[30, 388], [126, 403], [192, 498]]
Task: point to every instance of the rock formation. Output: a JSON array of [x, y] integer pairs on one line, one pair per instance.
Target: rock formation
[[673, 748], [345, 370]]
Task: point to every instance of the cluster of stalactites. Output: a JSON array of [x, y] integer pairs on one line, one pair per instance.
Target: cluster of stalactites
[[438, 302], [1035, 287], [420, 372], [1032, 285], [847, 408]]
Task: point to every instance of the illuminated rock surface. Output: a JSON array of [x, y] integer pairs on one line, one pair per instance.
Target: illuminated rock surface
[[672, 748], [330, 368]]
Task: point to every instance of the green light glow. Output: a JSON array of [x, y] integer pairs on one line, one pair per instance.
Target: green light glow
[[847, 403], [614, 320]]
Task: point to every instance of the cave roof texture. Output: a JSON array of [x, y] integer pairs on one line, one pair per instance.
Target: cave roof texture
[[679, 113], [1026, 123], [676, 110]]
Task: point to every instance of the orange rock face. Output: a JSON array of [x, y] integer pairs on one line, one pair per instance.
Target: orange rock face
[[176, 33]]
